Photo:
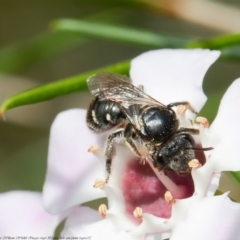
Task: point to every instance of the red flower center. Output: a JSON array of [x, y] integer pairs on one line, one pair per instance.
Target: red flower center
[[142, 188]]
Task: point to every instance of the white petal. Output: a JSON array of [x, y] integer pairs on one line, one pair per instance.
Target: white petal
[[72, 170], [22, 214], [211, 218], [152, 224], [205, 181], [86, 222], [117, 209], [227, 128], [173, 75], [100, 230], [81, 216]]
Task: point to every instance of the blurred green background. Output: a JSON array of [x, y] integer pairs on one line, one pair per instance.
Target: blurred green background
[[31, 55]]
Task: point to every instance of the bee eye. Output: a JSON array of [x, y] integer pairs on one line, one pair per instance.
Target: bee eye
[[189, 138], [160, 160]]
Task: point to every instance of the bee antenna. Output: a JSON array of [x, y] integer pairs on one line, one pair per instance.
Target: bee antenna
[[203, 149]]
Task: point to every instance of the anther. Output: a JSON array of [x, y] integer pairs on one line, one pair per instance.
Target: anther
[[194, 163], [102, 210], [203, 121], [169, 198], [137, 213], [99, 184], [181, 109], [93, 149]]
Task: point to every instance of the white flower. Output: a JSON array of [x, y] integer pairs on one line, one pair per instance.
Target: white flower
[[22, 214], [168, 76]]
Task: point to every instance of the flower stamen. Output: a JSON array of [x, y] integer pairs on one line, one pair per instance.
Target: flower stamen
[[194, 163], [181, 109], [169, 198], [203, 121], [93, 149], [137, 213], [99, 183], [102, 210]]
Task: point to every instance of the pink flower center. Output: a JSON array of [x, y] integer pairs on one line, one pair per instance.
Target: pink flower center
[[142, 188]]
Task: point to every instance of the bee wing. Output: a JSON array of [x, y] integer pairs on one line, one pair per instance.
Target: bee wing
[[118, 88], [101, 83]]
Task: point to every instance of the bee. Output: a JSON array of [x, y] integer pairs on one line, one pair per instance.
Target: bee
[[141, 121]]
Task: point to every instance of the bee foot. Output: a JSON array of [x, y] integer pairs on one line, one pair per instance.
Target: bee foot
[[169, 198], [181, 109], [194, 163], [93, 149], [99, 184], [142, 161], [102, 210], [203, 121], [137, 213]]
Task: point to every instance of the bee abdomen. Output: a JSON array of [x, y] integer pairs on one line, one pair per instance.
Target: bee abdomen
[[103, 115]]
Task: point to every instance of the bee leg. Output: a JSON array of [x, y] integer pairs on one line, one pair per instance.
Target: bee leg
[[130, 135], [192, 131], [110, 150], [134, 149], [185, 104]]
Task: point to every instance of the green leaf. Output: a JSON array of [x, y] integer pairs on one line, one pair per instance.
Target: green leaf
[[59, 88], [229, 44], [28, 52], [217, 42], [78, 83], [141, 37], [118, 33]]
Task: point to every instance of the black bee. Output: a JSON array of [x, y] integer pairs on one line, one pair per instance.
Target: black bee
[[145, 122]]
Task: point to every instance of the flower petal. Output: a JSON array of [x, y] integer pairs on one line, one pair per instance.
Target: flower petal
[[81, 216], [99, 230], [22, 214], [211, 218], [116, 204], [226, 128], [173, 75], [72, 170]]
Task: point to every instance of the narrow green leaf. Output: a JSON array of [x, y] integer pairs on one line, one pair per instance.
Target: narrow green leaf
[[59, 88], [149, 39], [217, 42], [118, 33], [78, 83], [28, 52]]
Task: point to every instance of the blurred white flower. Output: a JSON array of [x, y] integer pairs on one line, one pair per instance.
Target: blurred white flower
[[22, 214]]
